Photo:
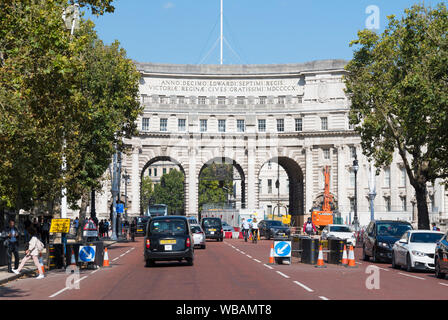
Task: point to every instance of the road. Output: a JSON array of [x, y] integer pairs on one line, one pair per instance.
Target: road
[[229, 270]]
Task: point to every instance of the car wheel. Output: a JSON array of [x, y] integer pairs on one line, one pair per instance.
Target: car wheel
[[439, 274], [189, 261], [394, 264], [365, 257], [149, 263], [374, 257], [408, 264]]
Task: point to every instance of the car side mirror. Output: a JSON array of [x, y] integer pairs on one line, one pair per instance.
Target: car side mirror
[[402, 241]]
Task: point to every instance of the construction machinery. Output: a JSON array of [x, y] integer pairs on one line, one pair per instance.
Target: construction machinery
[[325, 213]]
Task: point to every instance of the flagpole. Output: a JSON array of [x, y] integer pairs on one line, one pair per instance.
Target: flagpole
[[221, 30]]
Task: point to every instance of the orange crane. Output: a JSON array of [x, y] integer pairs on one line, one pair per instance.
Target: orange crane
[[324, 216]]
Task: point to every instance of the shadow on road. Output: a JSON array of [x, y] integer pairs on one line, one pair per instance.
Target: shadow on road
[[7, 292]]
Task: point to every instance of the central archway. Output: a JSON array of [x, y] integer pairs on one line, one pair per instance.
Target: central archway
[[223, 170]]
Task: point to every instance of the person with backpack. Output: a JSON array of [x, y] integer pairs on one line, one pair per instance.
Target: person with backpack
[[35, 247]]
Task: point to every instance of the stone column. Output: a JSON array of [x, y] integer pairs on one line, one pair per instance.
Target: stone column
[[342, 180], [192, 181], [308, 180], [135, 182], [252, 188]]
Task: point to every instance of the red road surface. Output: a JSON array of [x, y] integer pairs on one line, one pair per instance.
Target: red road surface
[[226, 270]]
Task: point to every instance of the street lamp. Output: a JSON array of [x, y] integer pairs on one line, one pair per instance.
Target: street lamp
[[372, 192], [126, 177], [355, 170]]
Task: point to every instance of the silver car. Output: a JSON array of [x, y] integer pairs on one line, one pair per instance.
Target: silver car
[[198, 235]]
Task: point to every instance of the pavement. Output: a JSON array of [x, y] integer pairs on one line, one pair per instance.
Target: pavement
[[30, 270], [228, 270]]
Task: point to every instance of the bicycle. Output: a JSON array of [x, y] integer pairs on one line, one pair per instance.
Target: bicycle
[[245, 232], [254, 235]]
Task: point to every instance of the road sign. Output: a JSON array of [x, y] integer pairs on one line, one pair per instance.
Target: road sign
[[60, 226], [90, 229], [120, 208], [282, 249], [86, 253]]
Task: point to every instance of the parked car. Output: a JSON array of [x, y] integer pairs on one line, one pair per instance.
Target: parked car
[[415, 250], [227, 227], [198, 235], [192, 220], [142, 222], [441, 257], [168, 238], [212, 228], [340, 231], [273, 229], [380, 237]]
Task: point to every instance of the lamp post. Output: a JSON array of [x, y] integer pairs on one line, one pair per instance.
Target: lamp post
[[126, 179], [355, 170], [372, 192]]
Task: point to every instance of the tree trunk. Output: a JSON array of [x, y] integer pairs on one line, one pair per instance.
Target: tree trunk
[[82, 214], [422, 207]]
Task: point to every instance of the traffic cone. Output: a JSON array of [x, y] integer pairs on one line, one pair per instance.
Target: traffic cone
[[344, 257], [271, 256], [320, 259], [41, 262], [73, 259], [106, 259], [351, 258]]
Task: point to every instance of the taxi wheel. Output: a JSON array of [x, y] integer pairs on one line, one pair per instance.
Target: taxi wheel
[[150, 263], [374, 257], [189, 261], [365, 257], [394, 264]]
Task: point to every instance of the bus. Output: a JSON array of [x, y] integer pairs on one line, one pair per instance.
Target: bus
[[156, 210]]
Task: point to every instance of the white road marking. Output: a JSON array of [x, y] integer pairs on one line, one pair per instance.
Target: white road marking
[[242, 252], [122, 254], [443, 284], [116, 258], [303, 286], [66, 288], [323, 298], [410, 275], [283, 275], [383, 269], [256, 260], [358, 262], [268, 266], [128, 251], [95, 271], [249, 256]]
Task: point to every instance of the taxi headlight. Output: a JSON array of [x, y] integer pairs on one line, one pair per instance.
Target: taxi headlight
[[383, 244]]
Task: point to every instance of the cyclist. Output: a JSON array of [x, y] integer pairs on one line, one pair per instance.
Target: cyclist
[[245, 228], [254, 227]]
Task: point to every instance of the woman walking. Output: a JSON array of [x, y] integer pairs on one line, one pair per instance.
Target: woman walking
[[35, 246]]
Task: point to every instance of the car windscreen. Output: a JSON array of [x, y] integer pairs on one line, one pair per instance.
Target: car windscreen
[[339, 229], [274, 223], [426, 237], [392, 229], [212, 223], [171, 226], [195, 229]]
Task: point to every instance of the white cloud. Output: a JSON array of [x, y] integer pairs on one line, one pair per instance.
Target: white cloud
[[168, 5]]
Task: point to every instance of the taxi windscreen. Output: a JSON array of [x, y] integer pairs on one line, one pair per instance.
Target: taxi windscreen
[[168, 226]]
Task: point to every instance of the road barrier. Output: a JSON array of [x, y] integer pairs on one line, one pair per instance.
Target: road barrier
[[351, 258], [344, 256], [320, 259], [335, 250], [106, 259], [271, 255]]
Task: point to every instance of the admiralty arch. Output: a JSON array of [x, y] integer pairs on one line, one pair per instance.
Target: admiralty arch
[[295, 115]]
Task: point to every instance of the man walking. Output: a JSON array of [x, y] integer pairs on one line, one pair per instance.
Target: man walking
[[245, 228], [12, 245]]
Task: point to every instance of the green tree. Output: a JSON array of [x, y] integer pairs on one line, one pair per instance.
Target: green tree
[[147, 190], [398, 86], [170, 191]]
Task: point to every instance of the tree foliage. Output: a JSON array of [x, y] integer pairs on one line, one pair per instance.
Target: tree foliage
[[214, 189], [398, 86], [147, 191], [61, 96]]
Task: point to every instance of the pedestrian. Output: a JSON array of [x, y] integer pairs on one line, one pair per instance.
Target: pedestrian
[[309, 228], [35, 247], [45, 231], [245, 228], [254, 228], [106, 228], [101, 228], [76, 224], [12, 244]]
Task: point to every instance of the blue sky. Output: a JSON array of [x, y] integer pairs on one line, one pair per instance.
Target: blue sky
[[258, 31]]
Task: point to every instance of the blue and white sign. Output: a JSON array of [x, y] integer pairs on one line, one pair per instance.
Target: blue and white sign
[[282, 249], [120, 208], [86, 253]]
